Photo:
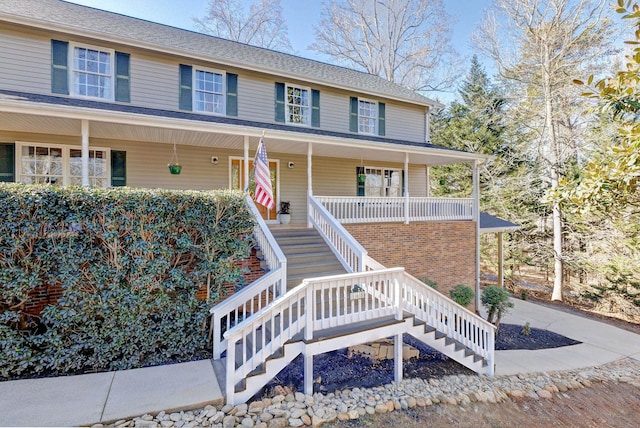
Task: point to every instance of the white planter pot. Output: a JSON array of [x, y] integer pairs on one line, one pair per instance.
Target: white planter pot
[[285, 218]]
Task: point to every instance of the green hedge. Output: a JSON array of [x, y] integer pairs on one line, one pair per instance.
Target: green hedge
[[129, 263]]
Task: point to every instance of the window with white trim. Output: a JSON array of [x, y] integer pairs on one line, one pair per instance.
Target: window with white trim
[[92, 72], [367, 116], [298, 105], [208, 91], [383, 182], [60, 165]]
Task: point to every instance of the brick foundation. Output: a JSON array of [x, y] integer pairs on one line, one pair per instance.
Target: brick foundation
[[444, 252]]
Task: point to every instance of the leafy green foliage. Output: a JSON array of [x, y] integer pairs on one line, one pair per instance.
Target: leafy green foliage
[[129, 263], [462, 294], [496, 302]]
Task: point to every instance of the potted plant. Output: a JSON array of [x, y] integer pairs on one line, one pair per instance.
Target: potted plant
[[357, 292], [285, 212], [362, 178], [174, 168]]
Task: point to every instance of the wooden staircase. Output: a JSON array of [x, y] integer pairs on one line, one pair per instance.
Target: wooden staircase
[[308, 255]]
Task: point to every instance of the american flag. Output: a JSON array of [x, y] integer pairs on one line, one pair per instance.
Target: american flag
[[264, 191]]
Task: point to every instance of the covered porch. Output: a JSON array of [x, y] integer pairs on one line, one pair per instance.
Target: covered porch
[[216, 152]]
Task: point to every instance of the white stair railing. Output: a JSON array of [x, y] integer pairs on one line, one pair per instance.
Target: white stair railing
[[256, 295], [335, 301], [351, 254], [448, 317]]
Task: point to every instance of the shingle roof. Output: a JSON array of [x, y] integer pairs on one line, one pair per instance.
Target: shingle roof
[[112, 26], [492, 224]]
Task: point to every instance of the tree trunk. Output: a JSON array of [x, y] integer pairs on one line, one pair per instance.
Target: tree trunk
[[554, 160]]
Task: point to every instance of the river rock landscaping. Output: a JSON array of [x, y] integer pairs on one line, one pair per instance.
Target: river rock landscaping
[[296, 409]]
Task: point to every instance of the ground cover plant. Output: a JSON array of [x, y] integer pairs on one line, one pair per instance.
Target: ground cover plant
[[119, 270]]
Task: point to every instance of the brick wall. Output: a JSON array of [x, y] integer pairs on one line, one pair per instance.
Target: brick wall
[[444, 252]]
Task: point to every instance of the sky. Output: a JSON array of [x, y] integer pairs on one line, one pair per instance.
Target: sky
[[300, 16]]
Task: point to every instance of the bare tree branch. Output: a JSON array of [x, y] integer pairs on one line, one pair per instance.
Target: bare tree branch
[[263, 26], [404, 41]]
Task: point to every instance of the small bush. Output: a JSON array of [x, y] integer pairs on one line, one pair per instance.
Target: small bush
[[462, 294], [431, 283], [526, 329], [127, 264], [496, 302]]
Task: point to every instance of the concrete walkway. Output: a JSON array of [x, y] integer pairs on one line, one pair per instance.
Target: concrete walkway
[[107, 397]]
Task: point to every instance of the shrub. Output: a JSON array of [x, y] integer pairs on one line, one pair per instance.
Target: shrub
[[496, 302], [431, 283], [526, 329], [462, 294], [128, 263]]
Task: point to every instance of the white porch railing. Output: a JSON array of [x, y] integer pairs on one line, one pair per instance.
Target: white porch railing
[[259, 294], [374, 210], [351, 254], [322, 303]]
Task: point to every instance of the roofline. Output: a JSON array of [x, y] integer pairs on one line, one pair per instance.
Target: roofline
[[36, 23], [186, 124], [499, 229]]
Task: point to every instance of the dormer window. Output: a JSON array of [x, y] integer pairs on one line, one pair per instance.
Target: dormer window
[[92, 72]]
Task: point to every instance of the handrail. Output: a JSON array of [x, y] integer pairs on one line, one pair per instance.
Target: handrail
[[365, 209], [449, 317], [333, 301], [256, 295], [348, 250], [274, 256]]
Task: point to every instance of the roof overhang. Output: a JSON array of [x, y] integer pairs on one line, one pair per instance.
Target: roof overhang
[[493, 224]]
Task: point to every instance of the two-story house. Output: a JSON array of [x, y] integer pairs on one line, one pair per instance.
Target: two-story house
[[101, 99]]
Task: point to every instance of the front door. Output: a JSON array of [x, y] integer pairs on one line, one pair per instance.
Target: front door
[[237, 183]]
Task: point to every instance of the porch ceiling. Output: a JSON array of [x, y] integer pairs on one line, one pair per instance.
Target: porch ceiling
[[128, 127]]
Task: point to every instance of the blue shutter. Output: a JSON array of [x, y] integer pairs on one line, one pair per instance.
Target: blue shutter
[[353, 116], [315, 108], [381, 122], [186, 97], [59, 58], [279, 102], [359, 181], [118, 168], [7, 162], [123, 88], [232, 94]]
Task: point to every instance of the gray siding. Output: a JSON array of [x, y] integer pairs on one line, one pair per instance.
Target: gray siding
[[25, 62], [154, 83]]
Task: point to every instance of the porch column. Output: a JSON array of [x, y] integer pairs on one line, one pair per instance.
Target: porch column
[[246, 163], [428, 173], [500, 260], [85, 152], [397, 357], [309, 179], [476, 218], [406, 188]]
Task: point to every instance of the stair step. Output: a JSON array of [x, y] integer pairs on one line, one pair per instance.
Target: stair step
[[310, 256], [304, 248], [306, 269]]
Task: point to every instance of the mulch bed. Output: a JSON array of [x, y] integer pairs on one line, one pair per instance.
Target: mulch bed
[[336, 370]]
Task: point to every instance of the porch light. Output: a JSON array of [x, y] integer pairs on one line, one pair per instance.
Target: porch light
[[291, 164]]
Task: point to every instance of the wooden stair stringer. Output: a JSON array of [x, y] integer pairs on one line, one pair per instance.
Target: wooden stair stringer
[[448, 346]]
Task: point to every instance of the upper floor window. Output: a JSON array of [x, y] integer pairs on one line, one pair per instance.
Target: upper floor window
[[60, 164], [92, 72], [208, 91], [298, 105], [367, 116]]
